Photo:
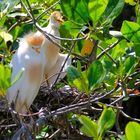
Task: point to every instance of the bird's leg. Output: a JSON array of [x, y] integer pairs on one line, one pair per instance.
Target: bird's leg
[[46, 79]]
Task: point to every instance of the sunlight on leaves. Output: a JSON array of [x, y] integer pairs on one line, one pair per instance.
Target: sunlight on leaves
[[106, 121], [96, 9], [76, 78], [89, 127], [113, 9], [131, 31], [6, 36], [76, 10], [132, 131], [131, 2], [96, 74], [5, 79]]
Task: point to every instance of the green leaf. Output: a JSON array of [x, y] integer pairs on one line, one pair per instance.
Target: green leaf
[[131, 31], [76, 10], [81, 84], [89, 127], [6, 6], [76, 78], [113, 9], [137, 14], [96, 9], [106, 121], [5, 79], [122, 137], [129, 65], [119, 50], [73, 73], [132, 131], [6, 36], [96, 74], [137, 49], [131, 2]]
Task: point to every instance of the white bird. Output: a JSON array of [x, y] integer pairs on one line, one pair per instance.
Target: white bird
[[54, 59], [29, 60], [38, 57]]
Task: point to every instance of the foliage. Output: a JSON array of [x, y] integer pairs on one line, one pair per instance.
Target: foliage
[[132, 131], [5, 79], [86, 81], [97, 130], [105, 67]]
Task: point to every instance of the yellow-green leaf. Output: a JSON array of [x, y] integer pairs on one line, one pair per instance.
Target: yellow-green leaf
[[6, 36], [131, 2]]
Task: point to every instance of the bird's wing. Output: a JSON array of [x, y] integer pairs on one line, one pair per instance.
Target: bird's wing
[[53, 73]]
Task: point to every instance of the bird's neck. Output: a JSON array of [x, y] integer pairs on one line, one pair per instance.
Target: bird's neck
[[53, 26], [52, 48]]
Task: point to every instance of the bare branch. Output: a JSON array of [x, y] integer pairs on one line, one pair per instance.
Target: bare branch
[[109, 48]]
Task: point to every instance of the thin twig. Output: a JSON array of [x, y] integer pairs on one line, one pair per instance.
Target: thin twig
[[129, 117], [109, 48], [18, 23], [72, 107], [94, 51], [53, 5], [107, 54], [118, 100], [54, 134], [117, 124], [7, 126]]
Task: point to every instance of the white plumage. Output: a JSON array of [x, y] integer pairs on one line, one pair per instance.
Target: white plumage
[[23, 92], [38, 58]]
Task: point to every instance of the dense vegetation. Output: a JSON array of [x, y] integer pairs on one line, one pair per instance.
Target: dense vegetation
[[99, 98]]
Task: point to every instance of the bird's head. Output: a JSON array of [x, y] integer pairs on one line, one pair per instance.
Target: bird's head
[[56, 19], [35, 41]]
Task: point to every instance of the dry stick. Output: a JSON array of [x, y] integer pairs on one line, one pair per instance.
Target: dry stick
[[18, 23], [107, 54], [79, 105], [119, 103], [117, 120], [118, 100], [114, 133], [127, 116], [109, 48], [54, 134], [7, 126], [94, 51], [72, 107], [134, 74]]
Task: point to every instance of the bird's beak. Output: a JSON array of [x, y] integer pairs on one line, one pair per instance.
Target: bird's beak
[[60, 20], [37, 50]]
